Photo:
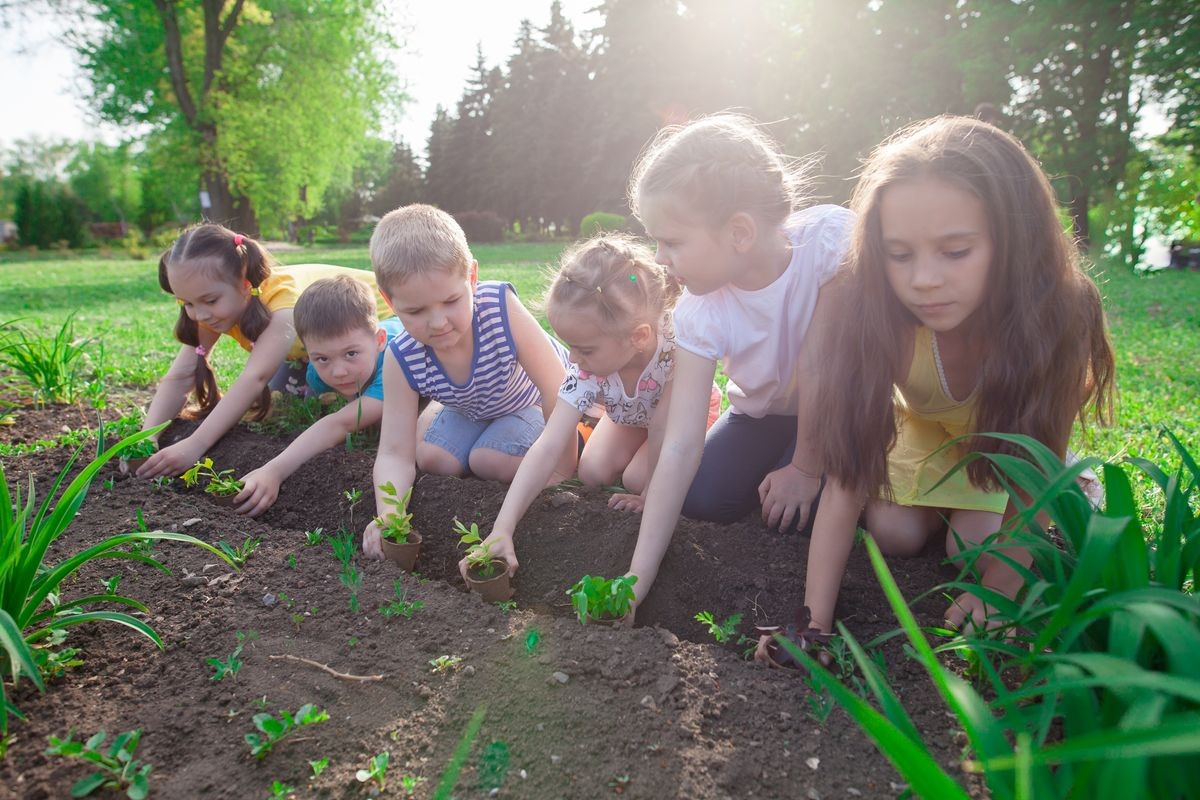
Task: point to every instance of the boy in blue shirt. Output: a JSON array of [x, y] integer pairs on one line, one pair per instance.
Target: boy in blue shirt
[[336, 320]]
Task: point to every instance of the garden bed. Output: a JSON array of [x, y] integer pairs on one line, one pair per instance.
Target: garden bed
[[657, 711]]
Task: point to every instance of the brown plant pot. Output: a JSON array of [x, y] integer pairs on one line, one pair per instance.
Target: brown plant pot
[[223, 499], [403, 555], [495, 589]]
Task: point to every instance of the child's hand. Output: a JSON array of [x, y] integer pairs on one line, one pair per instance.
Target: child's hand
[[632, 503], [787, 495], [259, 493], [172, 461], [373, 542], [500, 545]]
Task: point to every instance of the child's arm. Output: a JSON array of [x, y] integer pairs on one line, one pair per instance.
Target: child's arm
[[535, 353], [788, 492], [262, 485], [828, 550], [532, 476], [396, 460], [683, 444], [269, 352], [173, 390]]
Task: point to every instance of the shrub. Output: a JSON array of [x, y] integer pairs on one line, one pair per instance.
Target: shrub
[[55, 367], [46, 213], [601, 222], [481, 227]]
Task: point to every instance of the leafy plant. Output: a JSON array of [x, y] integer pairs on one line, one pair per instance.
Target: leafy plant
[[376, 771], [396, 524], [343, 550], [313, 538], [443, 664], [595, 597], [353, 498], [507, 606], [29, 587], [233, 664], [409, 784], [239, 554], [401, 607], [53, 367], [116, 767], [319, 766], [110, 585], [162, 482], [723, 631], [220, 484], [479, 554], [273, 730], [143, 449], [281, 790]]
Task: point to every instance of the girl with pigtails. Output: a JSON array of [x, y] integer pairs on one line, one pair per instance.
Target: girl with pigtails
[[228, 284]]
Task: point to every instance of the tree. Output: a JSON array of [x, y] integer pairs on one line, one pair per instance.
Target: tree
[[107, 181], [271, 99], [405, 182]]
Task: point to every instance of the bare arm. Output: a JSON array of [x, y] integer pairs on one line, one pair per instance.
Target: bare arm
[[396, 461], [683, 444], [828, 550], [536, 354], [172, 392]]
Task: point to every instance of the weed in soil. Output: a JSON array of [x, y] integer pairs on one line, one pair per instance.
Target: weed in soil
[[443, 664], [318, 766], [376, 771], [117, 768], [273, 730], [401, 607], [238, 555], [343, 550]]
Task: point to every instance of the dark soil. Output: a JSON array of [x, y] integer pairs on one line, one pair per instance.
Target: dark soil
[[658, 711]]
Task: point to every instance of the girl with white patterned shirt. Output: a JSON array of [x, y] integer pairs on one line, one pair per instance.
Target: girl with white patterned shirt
[[611, 305]]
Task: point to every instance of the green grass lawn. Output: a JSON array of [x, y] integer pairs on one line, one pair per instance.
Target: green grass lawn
[[1155, 323]]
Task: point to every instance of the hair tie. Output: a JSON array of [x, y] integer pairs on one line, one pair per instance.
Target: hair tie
[[255, 291], [632, 277], [200, 351], [238, 239], [179, 301]]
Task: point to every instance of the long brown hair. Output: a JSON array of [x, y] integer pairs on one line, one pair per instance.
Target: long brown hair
[[215, 248], [1046, 355]]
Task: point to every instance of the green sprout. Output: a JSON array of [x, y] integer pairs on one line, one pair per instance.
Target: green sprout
[[117, 768], [479, 554], [238, 555], [722, 632], [396, 524], [376, 771], [273, 730], [401, 607], [220, 484], [595, 597], [444, 664]]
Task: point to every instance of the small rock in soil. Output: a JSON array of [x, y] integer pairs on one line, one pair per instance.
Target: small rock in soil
[[563, 498], [468, 670], [425, 691], [555, 759], [813, 762], [649, 703], [187, 523], [269, 600], [561, 677]]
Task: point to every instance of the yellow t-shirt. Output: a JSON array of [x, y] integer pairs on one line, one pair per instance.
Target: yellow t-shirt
[[928, 418], [285, 285]]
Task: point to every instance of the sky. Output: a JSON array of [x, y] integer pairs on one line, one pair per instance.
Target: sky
[[41, 83]]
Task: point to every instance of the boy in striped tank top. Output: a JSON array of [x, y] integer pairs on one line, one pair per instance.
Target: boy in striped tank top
[[469, 346]]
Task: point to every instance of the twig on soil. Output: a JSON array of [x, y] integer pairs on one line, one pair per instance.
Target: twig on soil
[[345, 676]]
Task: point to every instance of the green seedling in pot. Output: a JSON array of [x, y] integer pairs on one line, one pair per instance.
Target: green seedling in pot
[[376, 771], [598, 598], [396, 524], [117, 768], [273, 730], [220, 484], [479, 553]]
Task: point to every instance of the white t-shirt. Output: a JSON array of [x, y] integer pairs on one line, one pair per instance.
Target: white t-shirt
[[584, 389], [757, 335]]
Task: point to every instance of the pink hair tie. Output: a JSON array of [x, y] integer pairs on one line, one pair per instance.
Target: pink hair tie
[[238, 239], [200, 351]]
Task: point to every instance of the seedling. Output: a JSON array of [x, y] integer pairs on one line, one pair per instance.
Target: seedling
[[409, 783], [297, 621], [353, 497], [162, 482], [401, 607], [143, 449], [396, 524], [820, 702], [109, 483], [117, 768], [313, 538], [274, 730], [722, 632], [376, 771], [287, 600], [443, 664], [220, 484], [110, 585], [238, 555], [532, 639], [261, 702], [479, 554], [318, 766], [351, 578], [291, 561], [595, 597], [507, 606], [281, 791], [234, 664]]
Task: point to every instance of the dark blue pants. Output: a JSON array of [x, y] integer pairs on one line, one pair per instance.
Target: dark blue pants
[[739, 451]]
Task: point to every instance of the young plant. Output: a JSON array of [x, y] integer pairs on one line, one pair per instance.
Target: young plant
[[343, 550], [722, 632], [116, 767], [273, 730], [290, 561], [409, 784], [27, 532], [595, 597], [318, 766], [396, 524], [479, 553], [238, 555], [353, 498], [143, 449], [443, 664], [220, 484], [376, 771], [110, 585], [281, 791], [313, 538], [53, 367], [401, 607], [234, 664], [162, 482]]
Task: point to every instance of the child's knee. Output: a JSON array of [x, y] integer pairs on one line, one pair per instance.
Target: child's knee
[[595, 471], [493, 465], [711, 507], [634, 479], [437, 461]]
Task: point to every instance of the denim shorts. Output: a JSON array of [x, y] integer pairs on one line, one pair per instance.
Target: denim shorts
[[458, 434]]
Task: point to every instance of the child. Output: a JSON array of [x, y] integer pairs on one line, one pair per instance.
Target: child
[[227, 283], [964, 296], [718, 199], [338, 323], [469, 346], [611, 304]]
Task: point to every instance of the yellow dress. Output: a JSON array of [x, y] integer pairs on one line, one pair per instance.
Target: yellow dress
[[287, 282], [927, 418]]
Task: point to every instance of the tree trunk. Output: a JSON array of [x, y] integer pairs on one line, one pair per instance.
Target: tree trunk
[[233, 211]]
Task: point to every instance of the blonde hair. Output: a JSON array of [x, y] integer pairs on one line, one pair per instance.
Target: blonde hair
[[335, 306], [717, 166], [615, 276], [416, 239]]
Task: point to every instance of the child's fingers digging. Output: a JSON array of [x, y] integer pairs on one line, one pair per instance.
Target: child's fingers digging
[[966, 609]]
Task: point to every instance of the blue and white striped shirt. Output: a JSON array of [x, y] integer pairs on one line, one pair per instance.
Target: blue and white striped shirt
[[497, 384]]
